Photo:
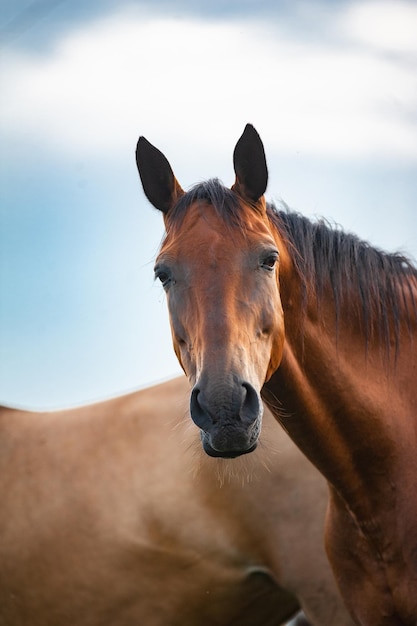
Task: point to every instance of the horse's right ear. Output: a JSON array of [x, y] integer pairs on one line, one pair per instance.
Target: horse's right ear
[[159, 183]]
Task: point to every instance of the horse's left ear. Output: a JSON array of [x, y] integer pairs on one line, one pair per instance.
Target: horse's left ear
[[159, 183], [250, 165]]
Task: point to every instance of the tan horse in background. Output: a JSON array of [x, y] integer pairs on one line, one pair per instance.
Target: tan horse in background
[[112, 515]]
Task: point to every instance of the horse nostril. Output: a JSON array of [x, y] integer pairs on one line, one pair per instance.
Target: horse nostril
[[251, 406], [198, 414]]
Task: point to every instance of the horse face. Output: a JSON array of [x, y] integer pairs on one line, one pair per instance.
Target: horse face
[[226, 320], [219, 267]]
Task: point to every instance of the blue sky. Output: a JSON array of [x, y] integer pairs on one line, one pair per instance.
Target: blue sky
[[330, 86]]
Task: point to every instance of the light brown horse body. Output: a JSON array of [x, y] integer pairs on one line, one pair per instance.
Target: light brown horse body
[[325, 327], [111, 514]]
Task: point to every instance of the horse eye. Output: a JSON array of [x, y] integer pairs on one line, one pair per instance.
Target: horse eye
[[163, 277], [269, 262]]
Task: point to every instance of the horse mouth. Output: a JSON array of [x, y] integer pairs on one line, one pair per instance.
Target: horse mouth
[[225, 454]]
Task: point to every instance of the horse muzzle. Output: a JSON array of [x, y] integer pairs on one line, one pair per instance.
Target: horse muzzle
[[229, 418], [224, 454]]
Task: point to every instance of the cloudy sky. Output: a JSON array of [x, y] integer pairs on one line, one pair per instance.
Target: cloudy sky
[[330, 86]]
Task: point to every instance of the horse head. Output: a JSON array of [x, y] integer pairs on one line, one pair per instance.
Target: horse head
[[219, 265]]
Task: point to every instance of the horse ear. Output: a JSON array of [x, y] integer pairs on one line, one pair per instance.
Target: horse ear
[[159, 183], [250, 165]]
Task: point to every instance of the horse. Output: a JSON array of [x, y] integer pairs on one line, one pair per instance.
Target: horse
[[264, 302], [112, 514]]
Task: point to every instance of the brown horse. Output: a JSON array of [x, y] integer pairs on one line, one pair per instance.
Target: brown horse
[[322, 324], [111, 515]]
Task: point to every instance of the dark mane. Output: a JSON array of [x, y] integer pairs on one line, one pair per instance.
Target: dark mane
[[223, 199], [374, 285]]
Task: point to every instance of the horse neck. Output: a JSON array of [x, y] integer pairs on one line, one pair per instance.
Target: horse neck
[[339, 396]]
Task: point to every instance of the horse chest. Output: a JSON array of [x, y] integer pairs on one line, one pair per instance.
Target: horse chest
[[375, 570]]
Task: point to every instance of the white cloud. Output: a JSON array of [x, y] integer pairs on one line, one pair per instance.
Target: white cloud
[[387, 25], [167, 78]]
